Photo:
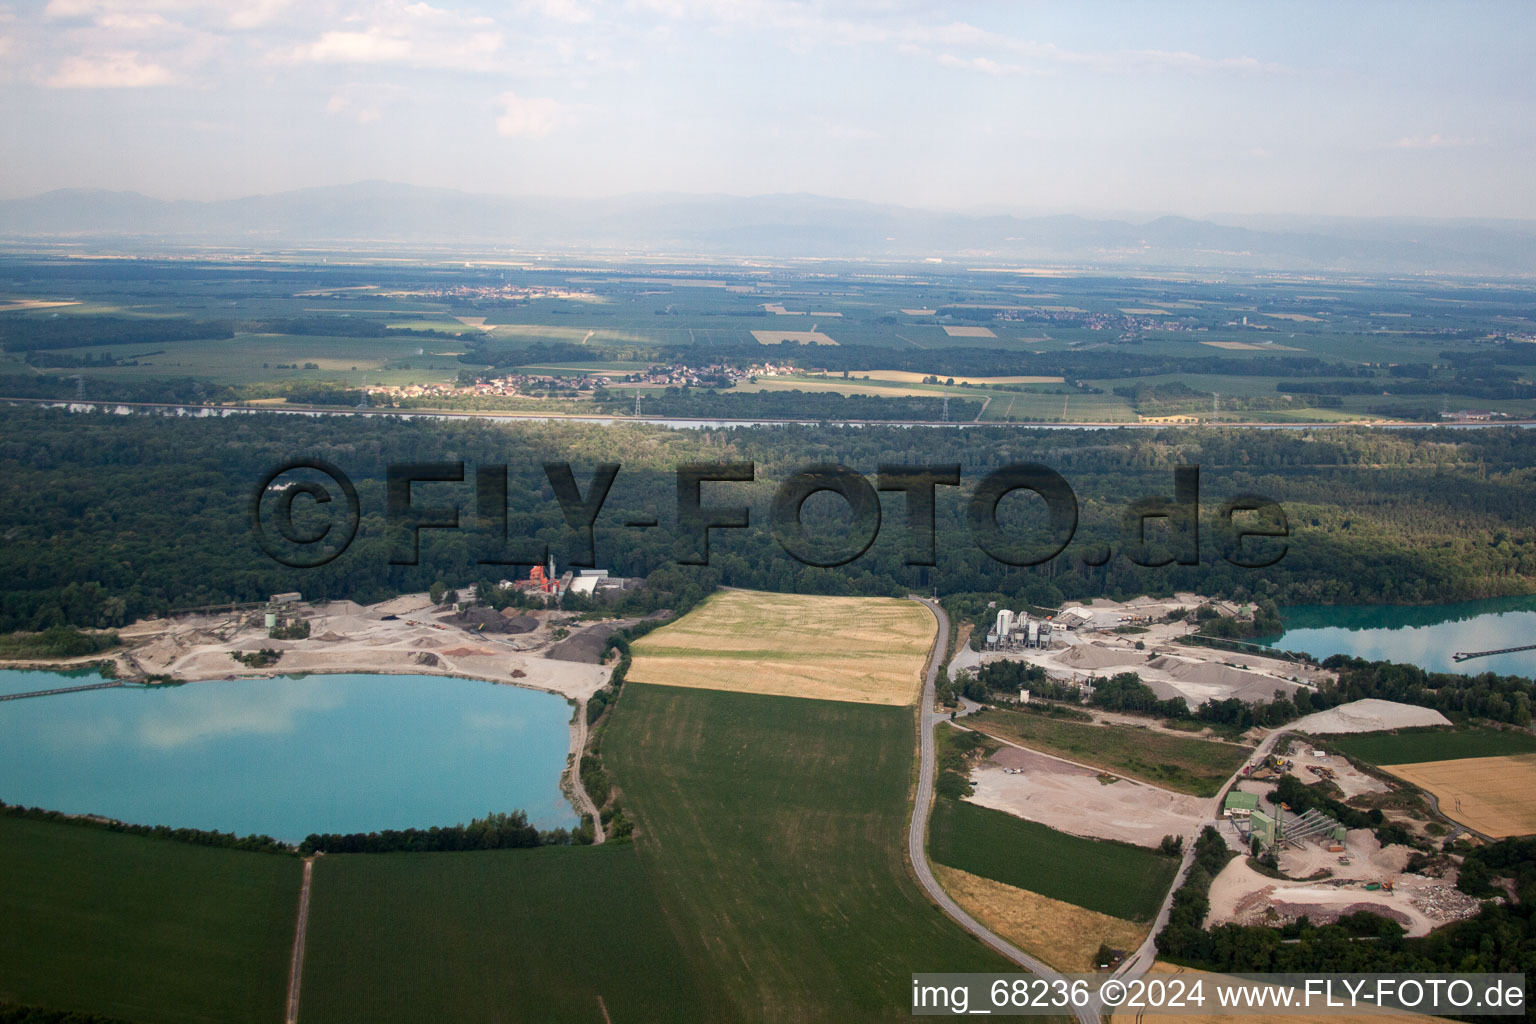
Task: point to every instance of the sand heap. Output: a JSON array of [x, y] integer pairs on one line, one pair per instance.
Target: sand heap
[[1091, 656], [1211, 673], [517, 623], [481, 618], [1369, 715]]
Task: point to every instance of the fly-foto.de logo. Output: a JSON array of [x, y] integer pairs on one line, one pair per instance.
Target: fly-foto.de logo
[[305, 513]]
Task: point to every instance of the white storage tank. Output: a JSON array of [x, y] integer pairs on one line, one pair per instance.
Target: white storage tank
[[1004, 622], [1034, 634]]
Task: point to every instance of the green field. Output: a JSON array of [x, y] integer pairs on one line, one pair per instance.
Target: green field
[[537, 935], [768, 882], [773, 830], [253, 358], [1118, 879], [1413, 746], [1181, 763], [143, 929]]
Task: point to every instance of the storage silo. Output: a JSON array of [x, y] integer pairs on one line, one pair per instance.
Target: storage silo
[[1004, 623]]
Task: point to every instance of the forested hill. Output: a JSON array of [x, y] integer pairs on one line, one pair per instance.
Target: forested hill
[[109, 518]]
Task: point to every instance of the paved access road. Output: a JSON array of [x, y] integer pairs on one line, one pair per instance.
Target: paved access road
[[917, 834]]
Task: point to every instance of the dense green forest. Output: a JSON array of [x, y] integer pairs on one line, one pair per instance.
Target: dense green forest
[[110, 518]]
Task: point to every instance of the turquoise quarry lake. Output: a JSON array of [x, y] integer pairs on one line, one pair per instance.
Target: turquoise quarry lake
[[287, 756], [1426, 635]]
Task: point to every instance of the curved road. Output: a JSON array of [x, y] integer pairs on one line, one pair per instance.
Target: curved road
[[917, 833]]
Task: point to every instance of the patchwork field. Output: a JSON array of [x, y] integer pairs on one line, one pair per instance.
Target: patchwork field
[[1110, 878], [1494, 795], [1064, 936], [143, 929], [866, 649], [1180, 763]]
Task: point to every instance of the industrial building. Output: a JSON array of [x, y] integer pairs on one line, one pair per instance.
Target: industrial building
[[1018, 631], [596, 583], [1280, 826]]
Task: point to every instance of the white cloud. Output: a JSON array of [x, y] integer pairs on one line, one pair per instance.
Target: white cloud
[[415, 34], [529, 117], [120, 69], [1434, 140]]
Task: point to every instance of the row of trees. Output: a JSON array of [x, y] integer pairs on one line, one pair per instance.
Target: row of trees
[[496, 831]]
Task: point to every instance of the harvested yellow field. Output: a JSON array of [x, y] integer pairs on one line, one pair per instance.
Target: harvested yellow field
[[1145, 311], [1300, 318], [1065, 936], [798, 337], [1494, 795], [969, 332], [1190, 975], [909, 377], [919, 312], [870, 650]]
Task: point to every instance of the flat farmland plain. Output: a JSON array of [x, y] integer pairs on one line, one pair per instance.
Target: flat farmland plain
[[867, 649]]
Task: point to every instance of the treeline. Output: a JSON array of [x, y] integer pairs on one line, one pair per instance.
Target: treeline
[[1514, 859], [29, 333], [1191, 902], [500, 354], [16, 1013], [814, 405], [190, 836], [1095, 364], [170, 390], [496, 831], [1488, 695]]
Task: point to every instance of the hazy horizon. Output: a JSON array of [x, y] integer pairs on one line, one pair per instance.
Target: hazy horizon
[[1313, 110]]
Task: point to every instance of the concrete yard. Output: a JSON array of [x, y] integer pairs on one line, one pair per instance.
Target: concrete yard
[[1075, 799], [1171, 669], [348, 637]]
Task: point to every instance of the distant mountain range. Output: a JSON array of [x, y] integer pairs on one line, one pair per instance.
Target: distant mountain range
[[771, 226]]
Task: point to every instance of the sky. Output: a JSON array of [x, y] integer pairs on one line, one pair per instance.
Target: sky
[[1357, 109]]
